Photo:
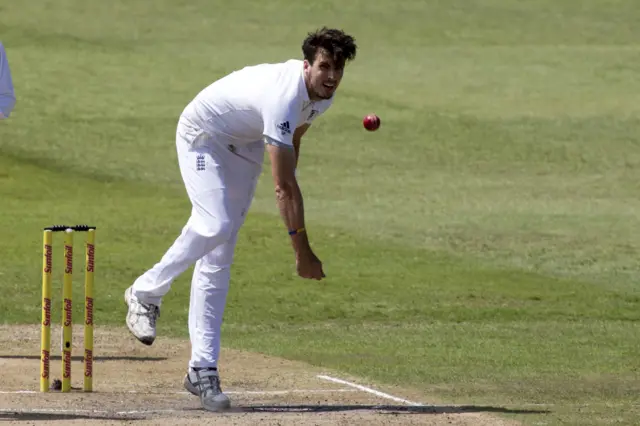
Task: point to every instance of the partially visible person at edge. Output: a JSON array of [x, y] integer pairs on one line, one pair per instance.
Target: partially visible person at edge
[[7, 94], [221, 138]]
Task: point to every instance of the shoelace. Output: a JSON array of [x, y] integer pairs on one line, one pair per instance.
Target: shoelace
[[151, 311], [211, 377]]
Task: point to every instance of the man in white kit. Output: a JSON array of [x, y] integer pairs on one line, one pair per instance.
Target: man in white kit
[[221, 138], [7, 95]]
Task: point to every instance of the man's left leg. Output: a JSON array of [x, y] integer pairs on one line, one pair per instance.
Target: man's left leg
[[209, 288]]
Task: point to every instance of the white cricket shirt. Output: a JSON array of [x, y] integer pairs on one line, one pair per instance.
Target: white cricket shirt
[[7, 96], [266, 100]]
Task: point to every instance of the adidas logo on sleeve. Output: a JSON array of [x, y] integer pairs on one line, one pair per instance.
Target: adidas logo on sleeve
[[284, 127]]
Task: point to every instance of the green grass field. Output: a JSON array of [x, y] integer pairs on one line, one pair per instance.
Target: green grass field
[[481, 247]]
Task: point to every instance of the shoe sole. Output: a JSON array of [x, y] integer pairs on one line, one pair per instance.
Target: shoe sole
[[145, 340], [218, 406], [189, 386]]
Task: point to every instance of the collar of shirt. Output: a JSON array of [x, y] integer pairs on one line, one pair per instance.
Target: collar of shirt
[[306, 101]]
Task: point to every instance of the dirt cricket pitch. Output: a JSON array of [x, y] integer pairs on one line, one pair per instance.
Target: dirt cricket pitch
[[139, 385]]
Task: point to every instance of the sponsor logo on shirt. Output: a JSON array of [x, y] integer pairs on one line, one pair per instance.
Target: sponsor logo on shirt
[[284, 127]]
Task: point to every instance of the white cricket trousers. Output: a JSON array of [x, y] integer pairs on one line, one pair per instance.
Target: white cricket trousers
[[220, 180]]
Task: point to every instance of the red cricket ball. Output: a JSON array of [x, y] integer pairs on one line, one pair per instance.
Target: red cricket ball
[[371, 122]]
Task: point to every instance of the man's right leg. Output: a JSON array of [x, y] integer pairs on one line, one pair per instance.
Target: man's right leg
[[208, 227]]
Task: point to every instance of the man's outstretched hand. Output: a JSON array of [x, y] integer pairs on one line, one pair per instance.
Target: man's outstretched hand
[[309, 266]]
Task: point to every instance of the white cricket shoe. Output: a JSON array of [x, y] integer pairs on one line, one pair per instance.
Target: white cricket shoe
[[205, 383], [141, 318]]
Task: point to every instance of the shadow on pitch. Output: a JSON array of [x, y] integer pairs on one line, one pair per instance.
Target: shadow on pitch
[[385, 409], [20, 416], [97, 358]]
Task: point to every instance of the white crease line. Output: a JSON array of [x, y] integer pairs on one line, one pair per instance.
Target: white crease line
[[124, 413], [369, 390], [285, 392], [277, 392]]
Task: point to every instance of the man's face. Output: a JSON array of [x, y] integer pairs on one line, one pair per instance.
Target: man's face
[[323, 76]]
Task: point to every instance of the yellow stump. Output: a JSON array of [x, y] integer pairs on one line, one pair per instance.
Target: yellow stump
[[88, 311], [45, 328], [67, 313]]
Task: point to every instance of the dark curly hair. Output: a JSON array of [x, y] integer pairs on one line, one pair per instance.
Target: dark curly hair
[[336, 43]]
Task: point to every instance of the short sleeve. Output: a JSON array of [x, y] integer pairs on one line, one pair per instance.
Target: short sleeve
[[280, 119]]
